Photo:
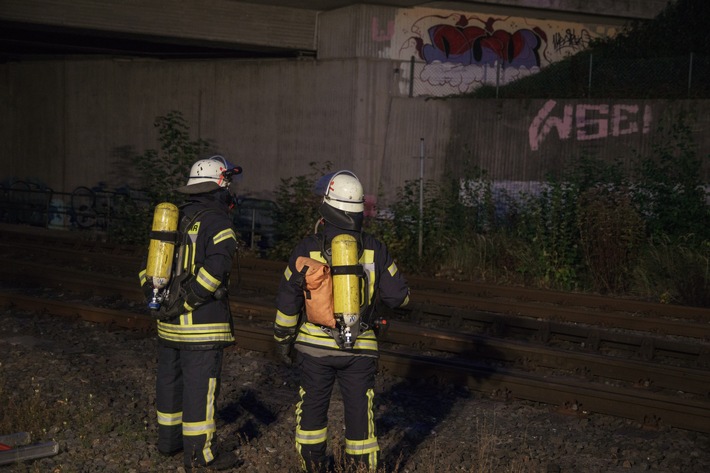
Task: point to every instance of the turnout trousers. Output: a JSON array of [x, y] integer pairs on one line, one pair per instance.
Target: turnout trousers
[[356, 379], [188, 384]]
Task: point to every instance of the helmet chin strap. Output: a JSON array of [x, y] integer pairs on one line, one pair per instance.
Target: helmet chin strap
[[231, 199], [231, 189], [319, 222]]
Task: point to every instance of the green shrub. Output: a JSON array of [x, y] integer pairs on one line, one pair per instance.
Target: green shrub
[[160, 172], [297, 209], [611, 234], [433, 220], [547, 225], [669, 190]]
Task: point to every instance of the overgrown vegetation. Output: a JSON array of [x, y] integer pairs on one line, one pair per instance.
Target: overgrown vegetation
[[647, 59], [598, 227]]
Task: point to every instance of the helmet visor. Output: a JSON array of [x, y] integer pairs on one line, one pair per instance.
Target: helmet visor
[[230, 170]]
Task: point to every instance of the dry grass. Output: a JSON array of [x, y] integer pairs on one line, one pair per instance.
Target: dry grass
[[487, 453], [26, 410]]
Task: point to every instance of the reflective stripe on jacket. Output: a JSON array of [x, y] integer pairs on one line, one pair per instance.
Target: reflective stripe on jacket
[[382, 275], [207, 257]]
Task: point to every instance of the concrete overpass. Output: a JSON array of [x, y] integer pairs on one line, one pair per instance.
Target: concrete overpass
[[278, 84], [229, 28]]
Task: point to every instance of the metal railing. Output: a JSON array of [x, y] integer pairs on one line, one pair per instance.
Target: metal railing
[[581, 76]]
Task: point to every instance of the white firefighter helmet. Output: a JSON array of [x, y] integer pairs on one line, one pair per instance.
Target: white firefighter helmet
[[210, 174], [344, 192], [343, 199]]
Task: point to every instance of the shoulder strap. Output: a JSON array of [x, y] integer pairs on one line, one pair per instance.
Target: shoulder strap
[[327, 253]]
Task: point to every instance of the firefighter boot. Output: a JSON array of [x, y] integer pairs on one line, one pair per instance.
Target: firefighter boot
[[223, 461]]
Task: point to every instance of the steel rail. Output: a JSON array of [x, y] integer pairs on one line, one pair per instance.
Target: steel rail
[[557, 298], [644, 345], [651, 376]]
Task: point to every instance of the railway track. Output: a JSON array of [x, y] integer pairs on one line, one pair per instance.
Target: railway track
[[572, 396], [646, 332], [666, 319], [524, 351]]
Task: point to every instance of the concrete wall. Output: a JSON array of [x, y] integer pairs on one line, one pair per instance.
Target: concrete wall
[[72, 123], [67, 123]]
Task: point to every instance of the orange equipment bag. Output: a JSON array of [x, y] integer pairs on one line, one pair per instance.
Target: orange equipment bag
[[318, 291]]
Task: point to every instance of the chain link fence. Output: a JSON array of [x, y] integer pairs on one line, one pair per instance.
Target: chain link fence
[[581, 76]]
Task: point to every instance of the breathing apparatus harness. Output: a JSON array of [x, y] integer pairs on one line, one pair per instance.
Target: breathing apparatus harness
[[345, 332], [176, 290]]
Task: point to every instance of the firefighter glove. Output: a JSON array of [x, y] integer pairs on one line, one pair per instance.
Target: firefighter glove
[[283, 351], [193, 301]]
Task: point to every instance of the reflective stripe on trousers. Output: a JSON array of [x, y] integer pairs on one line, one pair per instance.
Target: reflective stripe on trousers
[[187, 386], [356, 378]]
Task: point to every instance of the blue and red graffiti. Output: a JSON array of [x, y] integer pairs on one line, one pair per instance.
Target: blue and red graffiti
[[466, 44]]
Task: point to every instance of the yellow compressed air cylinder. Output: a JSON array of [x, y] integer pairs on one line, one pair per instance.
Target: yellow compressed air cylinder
[[346, 287], [161, 251]]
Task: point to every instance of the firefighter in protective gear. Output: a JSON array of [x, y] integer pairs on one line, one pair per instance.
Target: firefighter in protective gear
[[322, 354], [194, 323]]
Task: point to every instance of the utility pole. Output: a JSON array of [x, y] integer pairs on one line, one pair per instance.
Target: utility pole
[[421, 196], [422, 157]]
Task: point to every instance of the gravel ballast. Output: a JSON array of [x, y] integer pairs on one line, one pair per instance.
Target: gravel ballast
[[90, 388]]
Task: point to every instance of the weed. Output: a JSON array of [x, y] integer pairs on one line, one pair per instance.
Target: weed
[[611, 234], [27, 409], [676, 271]]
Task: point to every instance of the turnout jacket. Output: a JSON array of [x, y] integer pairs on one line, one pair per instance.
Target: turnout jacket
[[204, 322], [386, 283]]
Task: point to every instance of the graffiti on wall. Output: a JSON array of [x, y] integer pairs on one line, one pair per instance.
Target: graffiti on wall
[[457, 52], [570, 40], [585, 122], [466, 44], [380, 35]]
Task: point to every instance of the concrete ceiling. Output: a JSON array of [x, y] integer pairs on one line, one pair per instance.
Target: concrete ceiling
[[326, 5], [27, 39], [621, 9], [34, 34]]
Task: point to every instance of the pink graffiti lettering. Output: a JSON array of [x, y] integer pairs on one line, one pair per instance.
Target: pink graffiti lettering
[[589, 128], [381, 35], [543, 124], [590, 122], [622, 116]]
